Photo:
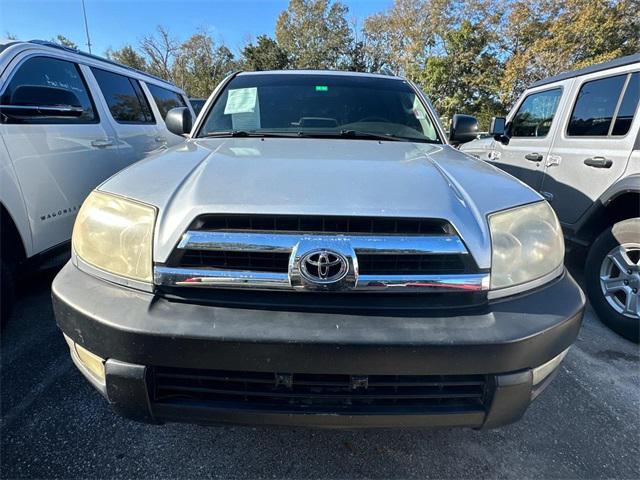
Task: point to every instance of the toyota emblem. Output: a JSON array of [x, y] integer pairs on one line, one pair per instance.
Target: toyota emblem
[[324, 266]]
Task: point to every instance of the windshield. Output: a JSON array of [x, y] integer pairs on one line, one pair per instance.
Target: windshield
[[315, 105]]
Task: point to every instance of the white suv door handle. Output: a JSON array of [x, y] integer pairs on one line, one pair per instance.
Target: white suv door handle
[[102, 143], [161, 139]]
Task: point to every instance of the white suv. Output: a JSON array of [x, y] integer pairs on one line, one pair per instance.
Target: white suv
[[68, 121]]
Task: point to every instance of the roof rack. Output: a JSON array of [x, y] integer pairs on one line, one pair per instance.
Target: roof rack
[[618, 62], [47, 43]]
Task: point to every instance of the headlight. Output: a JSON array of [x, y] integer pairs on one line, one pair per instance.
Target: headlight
[[527, 244], [115, 235]]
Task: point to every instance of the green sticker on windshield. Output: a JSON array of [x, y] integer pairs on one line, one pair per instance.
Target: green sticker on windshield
[[322, 88]]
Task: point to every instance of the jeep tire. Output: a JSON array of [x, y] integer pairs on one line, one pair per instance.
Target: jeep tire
[[613, 266]]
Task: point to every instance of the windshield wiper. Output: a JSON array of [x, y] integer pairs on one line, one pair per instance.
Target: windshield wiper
[[377, 136], [244, 133], [383, 136], [228, 133], [355, 134]]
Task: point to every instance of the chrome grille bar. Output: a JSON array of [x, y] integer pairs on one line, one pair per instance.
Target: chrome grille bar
[[284, 242], [296, 246], [185, 277], [182, 277]]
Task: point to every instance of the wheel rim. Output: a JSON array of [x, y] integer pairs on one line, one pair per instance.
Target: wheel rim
[[620, 279]]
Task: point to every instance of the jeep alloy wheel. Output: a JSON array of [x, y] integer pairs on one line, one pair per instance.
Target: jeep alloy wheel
[[620, 279], [612, 277]]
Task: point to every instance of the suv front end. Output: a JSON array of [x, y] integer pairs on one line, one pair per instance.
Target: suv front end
[[249, 306]]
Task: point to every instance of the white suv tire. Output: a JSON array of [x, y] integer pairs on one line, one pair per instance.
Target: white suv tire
[[612, 277]]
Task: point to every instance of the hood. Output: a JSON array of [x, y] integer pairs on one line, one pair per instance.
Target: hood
[[322, 177]]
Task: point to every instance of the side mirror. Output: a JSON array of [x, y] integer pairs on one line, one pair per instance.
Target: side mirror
[[42, 101], [178, 120], [464, 128], [497, 126]]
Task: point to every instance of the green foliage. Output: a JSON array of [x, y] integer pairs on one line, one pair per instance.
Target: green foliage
[[266, 54], [547, 37], [128, 56], [314, 33], [64, 41], [200, 65], [466, 76]]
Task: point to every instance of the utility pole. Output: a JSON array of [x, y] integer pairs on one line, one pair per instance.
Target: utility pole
[[86, 26]]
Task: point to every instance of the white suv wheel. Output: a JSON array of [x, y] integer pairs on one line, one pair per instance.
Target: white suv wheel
[[620, 279]]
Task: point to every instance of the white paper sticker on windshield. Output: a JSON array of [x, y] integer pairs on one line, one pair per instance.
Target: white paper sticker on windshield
[[241, 100]]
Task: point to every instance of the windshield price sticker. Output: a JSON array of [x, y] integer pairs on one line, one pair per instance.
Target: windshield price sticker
[[241, 100]]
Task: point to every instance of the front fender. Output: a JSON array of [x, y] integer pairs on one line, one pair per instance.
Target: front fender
[[12, 200]]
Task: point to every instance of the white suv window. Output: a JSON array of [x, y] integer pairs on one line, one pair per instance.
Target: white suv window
[[628, 107], [165, 99], [124, 97], [595, 107], [536, 112], [47, 82]]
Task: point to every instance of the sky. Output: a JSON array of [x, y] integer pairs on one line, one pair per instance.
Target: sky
[[114, 23]]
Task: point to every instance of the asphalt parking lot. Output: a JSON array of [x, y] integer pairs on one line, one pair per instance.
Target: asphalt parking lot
[[54, 425]]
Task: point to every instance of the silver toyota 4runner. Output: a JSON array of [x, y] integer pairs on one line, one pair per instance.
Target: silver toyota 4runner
[[317, 254]]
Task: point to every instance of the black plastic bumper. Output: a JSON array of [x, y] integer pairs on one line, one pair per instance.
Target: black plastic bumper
[[138, 332]]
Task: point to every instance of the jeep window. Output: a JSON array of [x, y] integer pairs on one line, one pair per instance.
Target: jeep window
[[534, 117], [628, 106], [165, 99], [28, 88], [325, 106], [124, 97], [595, 107]]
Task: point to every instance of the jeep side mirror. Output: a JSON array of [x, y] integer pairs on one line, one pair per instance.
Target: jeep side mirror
[[42, 101], [496, 127], [464, 128], [178, 120]]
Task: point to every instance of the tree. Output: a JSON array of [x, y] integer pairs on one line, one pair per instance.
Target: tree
[[465, 78], [314, 33], [160, 50], [548, 36], [199, 65], [266, 54], [127, 56], [64, 41], [360, 56]]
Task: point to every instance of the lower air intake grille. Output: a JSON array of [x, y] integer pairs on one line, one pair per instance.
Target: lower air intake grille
[[309, 392]]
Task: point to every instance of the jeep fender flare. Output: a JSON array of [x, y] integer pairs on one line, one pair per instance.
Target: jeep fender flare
[[595, 219]]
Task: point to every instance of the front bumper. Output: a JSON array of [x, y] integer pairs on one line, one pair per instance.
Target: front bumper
[[144, 336]]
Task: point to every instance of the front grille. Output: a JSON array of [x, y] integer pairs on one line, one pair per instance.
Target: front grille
[[309, 392], [275, 252], [323, 224], [225, 260], [410, 264]]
